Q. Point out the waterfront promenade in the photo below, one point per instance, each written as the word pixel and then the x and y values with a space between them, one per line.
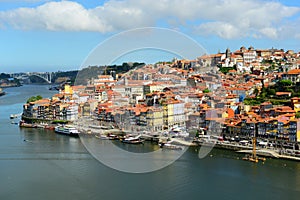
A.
pixel 91 127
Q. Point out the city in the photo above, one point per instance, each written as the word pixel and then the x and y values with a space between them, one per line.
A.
pixel 251 88
pixel 149 100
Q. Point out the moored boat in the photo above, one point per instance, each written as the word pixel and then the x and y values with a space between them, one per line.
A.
pixel 102 137
pixel 170 146
pixel 27 125
pixel 133 140
pixel 66 129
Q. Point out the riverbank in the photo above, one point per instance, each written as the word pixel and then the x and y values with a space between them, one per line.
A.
pixel 222 145
pixel 265 152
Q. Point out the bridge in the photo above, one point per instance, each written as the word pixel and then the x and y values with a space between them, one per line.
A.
pixel 46 76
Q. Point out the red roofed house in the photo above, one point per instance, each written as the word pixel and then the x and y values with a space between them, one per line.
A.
pixel 292 75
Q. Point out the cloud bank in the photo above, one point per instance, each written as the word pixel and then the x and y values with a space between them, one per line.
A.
pixel 229 19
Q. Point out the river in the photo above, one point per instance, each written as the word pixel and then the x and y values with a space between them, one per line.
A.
pixel 49 166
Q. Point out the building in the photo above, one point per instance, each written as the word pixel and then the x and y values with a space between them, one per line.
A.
pixel 292 75
pixel 294 130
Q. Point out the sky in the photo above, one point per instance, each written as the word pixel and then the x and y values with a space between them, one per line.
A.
pixel 46 35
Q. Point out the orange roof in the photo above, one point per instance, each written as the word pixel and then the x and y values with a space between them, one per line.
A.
pixel 283 93
pixel 230 113
pixel 294 71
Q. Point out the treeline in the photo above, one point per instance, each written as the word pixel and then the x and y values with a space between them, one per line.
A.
pixel 4 76
pixel 8 80
pixel 34 98
pixel 88 73
pixel 69 74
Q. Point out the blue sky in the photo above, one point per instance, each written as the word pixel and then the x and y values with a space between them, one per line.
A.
pixel 45 35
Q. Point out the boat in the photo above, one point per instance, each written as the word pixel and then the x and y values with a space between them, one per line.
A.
pixel 13 116
pixel 13 122
pixel 27 125
pixel 133 140
pixel 112 137
pixel 170 146
pixel 66 129
pixel 250 158
pixel 1 92
pixel 49 127
pixel 102 137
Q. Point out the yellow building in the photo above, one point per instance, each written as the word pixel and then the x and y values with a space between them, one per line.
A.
pixel 153 87
pixel 68 89
pixel 173 113
pixel 155 118
pixel 296 103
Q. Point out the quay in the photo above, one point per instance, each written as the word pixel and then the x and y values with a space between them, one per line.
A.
pixel 271 153
pixel 183 141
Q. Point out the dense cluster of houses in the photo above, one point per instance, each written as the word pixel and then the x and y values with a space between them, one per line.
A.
pixel 163 96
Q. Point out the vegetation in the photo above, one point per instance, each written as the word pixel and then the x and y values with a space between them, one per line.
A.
pixel 37 80
pixel 60 121
pixel 298 115
pixel 12 82
pixel 269 94
pixel 206 91
pixel 284 83
pixel 253 102
pixel 93 71
pixel 34 98
pixel 69 74
pixel 4 76
pixel 225 70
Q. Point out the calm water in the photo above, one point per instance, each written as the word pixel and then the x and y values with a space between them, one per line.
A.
pixel 51 166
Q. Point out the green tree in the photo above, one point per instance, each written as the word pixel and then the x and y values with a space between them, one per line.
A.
pixel 34 98
pixel 298 115
pixel 285 83
pixel 271 92
pixel 206 91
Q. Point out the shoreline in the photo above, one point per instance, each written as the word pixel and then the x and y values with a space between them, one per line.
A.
pixel 265 152
pixel 236 148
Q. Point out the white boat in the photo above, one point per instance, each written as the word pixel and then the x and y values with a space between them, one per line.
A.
pixel 170 146
pixel 66 129
pixel 102 137
pixel 133 140
pixel 13 116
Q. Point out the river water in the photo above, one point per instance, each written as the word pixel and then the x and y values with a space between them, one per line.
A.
pixel 51 166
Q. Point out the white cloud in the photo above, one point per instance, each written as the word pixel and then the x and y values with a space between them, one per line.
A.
pixel 23 1
pixel 54 16
pixel 224 18
pixel 223 30
pixel 269 32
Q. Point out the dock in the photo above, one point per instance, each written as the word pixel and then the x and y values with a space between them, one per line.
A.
pixel 182 142
pixel 262 152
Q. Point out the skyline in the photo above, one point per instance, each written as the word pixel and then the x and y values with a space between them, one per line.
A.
pixel 43 35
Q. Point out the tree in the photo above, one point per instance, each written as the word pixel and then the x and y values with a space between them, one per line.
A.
pixel 285 83
pixel 298 115
pixel 271 92
pixel 34 98
pixel 256 92
pixel 206 91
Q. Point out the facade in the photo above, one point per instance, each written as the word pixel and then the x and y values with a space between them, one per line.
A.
pixel 292 75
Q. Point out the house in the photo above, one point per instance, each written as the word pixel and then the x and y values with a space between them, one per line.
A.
pixel 295 101
pixel 294 130
pixel 292 75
